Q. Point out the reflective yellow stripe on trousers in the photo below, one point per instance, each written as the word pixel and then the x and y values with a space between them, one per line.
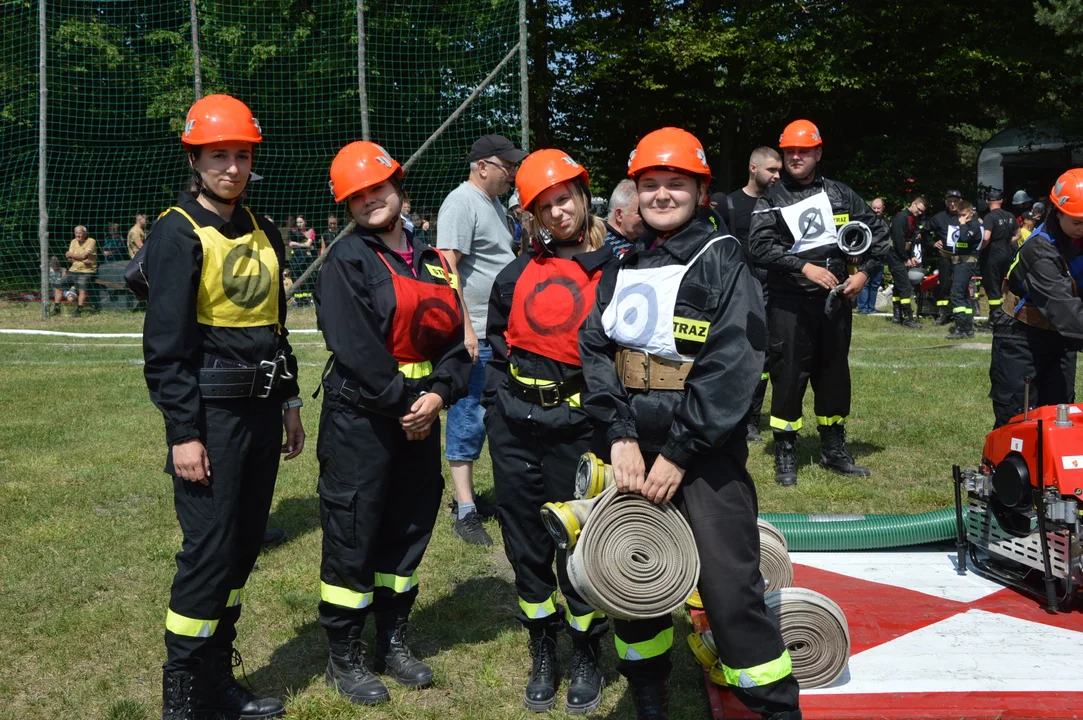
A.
pixel 582 622
pixel 537 611
pixel 785 425
pixel 189 627
pixel 759 675
pixel 646 649
pixel 396 583
pixel 344 597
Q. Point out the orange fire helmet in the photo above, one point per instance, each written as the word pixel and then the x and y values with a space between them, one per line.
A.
pixel 220 118
pixel 359 165
pixel 1067 194
pixel 669 147
pixel 541 170
pixel 800 134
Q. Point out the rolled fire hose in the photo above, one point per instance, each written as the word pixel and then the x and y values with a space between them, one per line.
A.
pixel 814 630
pixel 634 559
pixel 775 564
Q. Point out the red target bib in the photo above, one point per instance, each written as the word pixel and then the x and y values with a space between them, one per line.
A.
pixel 551 300
pixel 427 317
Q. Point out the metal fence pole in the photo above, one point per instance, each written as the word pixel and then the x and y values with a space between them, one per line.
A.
pixel 43 207
pixel 197 71
pixel 524 88
pixel 362 70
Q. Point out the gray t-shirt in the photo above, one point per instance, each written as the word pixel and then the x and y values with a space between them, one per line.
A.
pixel 475 225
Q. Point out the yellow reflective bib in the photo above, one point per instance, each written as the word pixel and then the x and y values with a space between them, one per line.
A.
pixel 238 286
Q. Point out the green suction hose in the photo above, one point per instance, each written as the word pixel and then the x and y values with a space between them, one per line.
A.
pixel 822 533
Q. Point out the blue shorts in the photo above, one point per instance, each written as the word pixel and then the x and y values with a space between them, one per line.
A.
pixel 465 432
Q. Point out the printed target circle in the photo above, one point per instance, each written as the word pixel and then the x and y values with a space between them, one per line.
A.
pixel 538 316
pixel 637 313
pixel 246 291
pixel 428 338
pixel 811 224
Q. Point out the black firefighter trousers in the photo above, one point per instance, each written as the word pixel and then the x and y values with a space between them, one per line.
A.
pixel 532 465
pixel 223 525
pixel 379 497
pixel 1021 352
pixel 996 259
pixel 807 344
pixel 718 498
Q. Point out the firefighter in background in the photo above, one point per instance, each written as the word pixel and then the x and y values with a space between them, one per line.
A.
pixel 1040 328
pixel 905 238
pixel 942 229
pixel 535 423
pixel 672 352
pixel 220 369
pixel 388 309
pixel 1001 235
pixel 794 235
pixel 964 244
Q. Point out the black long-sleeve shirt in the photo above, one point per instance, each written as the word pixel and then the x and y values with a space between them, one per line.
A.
pixel 174 342
pixel 904 231
pixel 772 242
pixel 529 364
pixel 1043 275
pixel 355 308
pixel 719 288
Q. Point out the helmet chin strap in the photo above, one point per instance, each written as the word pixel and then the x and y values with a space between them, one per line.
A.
pixel 211 195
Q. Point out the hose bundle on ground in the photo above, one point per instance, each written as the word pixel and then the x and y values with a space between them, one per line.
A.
pixel 775 565
pixel 634 559
pixel 815 632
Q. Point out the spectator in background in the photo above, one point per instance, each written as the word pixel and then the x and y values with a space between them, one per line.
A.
pixel 114 247
pixel 1037 210
pixel 302 239
pixel 1029 223
pixel 423 230
pixel 407 217
pixel 137 234
pixel 83 255
pixel 58 281
pixel 905 239
pixel 1001 232
pixel 332 232
pixel 624 226
pixel 764 170
pixel 474 234
pixel 1022 203
pixel 866 299
pixel 515 224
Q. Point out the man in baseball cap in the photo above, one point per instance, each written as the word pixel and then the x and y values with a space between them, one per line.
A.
pixel 496 146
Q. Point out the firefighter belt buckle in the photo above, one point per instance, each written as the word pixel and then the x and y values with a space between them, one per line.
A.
pixel 272 371
pixel 549 395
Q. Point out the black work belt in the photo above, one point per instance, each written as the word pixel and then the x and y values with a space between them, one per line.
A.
pixel 549 395
pixel 960 259
pixel 257 381
pixel 350 393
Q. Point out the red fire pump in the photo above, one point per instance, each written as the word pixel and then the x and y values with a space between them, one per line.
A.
pixel 1019 513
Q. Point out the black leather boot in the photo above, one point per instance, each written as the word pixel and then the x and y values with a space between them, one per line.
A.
pixel 177 690
pixel 786 458
pixel 833 455
pixel 896 312
pixel 651 700
pixel 220 695
pixel 346 671
pixel 908 320
pixel 752 429
pixel 392 657
pixel 943 317
pixel 788 715
pixel 586 681
pixel 541 690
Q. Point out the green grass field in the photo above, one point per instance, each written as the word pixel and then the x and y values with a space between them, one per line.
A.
pixel 88 534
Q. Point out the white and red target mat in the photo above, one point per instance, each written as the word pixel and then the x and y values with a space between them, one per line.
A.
pixel 929 643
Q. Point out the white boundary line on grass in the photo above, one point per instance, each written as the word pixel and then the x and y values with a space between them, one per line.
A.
pixel 58 333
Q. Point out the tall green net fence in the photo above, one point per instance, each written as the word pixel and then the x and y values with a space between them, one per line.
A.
pixel 122 73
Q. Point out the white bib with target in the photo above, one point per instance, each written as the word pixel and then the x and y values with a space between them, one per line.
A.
pixel 640 315
pixel 811 222
pixel 953 237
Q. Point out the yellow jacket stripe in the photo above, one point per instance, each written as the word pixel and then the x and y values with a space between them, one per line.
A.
pixel 416 371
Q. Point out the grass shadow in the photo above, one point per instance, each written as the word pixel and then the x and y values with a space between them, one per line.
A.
pixel 450 621
pixel 808 448
pixel 297 516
